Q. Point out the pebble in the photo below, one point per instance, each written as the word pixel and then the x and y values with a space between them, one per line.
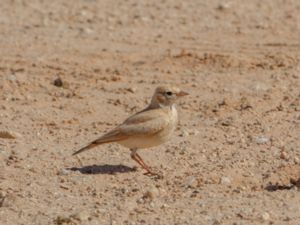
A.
pixel 151 193
pixel 194 132
pixel 88 30
pixel 227 122
pixel 58 82
pixel 12 77
pixel 261 140
pixel 265 216
pixel 62 220
pixel 7 135
pixel 223 6
pixel 175 52
pixel 184 133
pixel 63 172
pixel 131 89
pixel 82 216
pixel 297 183
pixel 140 201
pixel 2 194
pixel 225 180
pixel 190 182
pixel 2 198
pixel 283 155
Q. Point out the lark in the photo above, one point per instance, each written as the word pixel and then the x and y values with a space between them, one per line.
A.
pixel 150 127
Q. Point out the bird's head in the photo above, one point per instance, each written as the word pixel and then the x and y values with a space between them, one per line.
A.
pixel 166 96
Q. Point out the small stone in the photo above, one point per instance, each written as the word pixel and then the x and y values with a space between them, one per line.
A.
pixel 140 201
pixel 297 183
pixel 261 140
pixel 225 180
pixel 190 182
pixel 60 220
pixel 2 194
pixel 7 135
pixel 175 53
pixel 245 104
pixel 131 89
pixel 151 193
pixel 194 132
pixel 63 172
pixel 265 216
pixel 58 82
pixel 88 30
pixel 184 133
pixel 283 155
pixel 2 198
pixel 223 6
pixel 227 122
pixel 12 77
pixel 164 206
pixel 82 216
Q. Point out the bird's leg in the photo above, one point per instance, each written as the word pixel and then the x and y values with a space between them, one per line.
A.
pixel 140 161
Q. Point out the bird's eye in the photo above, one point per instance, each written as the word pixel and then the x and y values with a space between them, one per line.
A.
pixel 169 93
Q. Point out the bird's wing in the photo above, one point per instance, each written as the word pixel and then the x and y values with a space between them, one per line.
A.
pixel 143 123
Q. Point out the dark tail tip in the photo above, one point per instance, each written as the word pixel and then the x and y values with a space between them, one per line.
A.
pixel 77 152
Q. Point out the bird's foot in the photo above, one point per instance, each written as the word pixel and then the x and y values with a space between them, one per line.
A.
pixel 153 174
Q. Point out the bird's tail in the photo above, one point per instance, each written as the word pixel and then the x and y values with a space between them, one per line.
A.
pixel 89 146
pixel 111 136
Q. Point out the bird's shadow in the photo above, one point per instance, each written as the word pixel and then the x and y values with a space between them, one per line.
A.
pixel 278 187
pixel 103 169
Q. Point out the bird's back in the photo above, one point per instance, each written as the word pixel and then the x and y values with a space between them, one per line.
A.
pixel 155 127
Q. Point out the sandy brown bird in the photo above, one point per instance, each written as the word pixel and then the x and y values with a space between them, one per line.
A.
pixel 150 127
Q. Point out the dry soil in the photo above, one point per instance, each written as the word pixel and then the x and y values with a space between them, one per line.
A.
pixel 235 157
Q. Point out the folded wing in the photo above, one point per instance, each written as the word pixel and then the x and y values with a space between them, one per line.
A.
pixel 143 123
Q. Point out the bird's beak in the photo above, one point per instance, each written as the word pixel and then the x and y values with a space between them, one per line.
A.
pixel 182 93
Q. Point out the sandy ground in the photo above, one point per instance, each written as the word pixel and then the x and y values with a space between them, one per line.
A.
pixel 235 157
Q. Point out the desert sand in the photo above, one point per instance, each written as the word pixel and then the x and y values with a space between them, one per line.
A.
pixel 72 70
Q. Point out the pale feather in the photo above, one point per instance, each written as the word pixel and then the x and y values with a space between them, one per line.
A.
pixel 145 123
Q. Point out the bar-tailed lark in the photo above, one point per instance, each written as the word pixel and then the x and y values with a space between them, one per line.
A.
pixel 147 128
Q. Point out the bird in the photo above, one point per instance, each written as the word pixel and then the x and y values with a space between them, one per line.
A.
pixel 147 128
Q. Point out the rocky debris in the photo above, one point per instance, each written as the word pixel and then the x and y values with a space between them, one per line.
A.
pixel 223 6
pixel 131 89
pixel 261 140
pixel 190 182
pixel 82 216
pixel 297 160
pixel 244 104
pixel 2 198
pixel 295 182
pixel 12 77
pixel 284 155
pixel 6 135
pixel 225 180
pixel 189 132
pixel 60 220
pixel 63 172
pixel 227 121
pixel 58 82
pixel 265 216
pixel 151 193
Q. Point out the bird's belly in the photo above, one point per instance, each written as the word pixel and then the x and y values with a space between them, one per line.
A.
pixel 143 142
